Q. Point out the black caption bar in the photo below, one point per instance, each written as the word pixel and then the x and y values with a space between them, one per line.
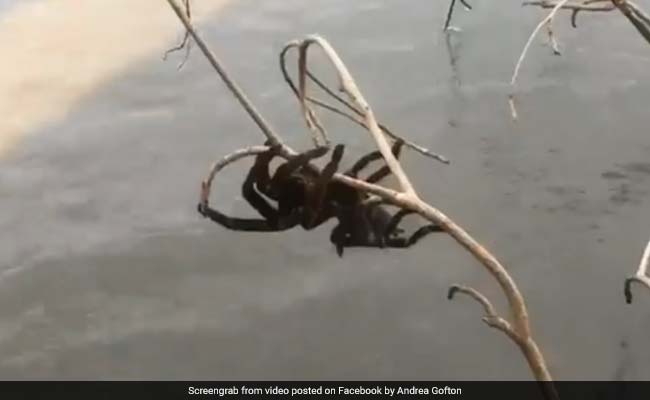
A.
pixel 313 390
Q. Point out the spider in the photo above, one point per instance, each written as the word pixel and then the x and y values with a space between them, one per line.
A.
pixel 309 198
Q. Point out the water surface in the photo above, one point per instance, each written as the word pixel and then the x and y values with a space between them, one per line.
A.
pixel 106 270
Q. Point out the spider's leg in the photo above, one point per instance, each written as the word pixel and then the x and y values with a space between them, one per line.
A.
pixel 403 242
pixel 363 163
pixel 240 224
pixel 269 224
pixel 423 231
pixel 395 220
pixel 285 170
pixel 338 239
pixel 398 241
pixel 373 156
pixel 344 240
pixel 261 172
pixel 315 196
pixel 256 200
pixel 384 171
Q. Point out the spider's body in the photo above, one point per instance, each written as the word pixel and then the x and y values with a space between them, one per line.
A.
pixel 308 198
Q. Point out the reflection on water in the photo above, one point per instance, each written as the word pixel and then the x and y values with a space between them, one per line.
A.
pixel 108 271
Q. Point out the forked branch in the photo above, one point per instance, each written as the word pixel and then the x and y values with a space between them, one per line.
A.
pixel 353 114
pixel 637 17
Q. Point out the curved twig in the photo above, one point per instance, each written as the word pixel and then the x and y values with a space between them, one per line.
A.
pixel 641 275
pixel 358 115
pixel 234 88
pixel 237 155
pixel 491 318
pixel 547 20
pixel 349 86
pixel 185 42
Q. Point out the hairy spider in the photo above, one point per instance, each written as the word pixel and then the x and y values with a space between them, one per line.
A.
pixel 308 198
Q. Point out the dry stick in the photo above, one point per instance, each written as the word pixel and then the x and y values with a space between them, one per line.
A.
pixel 274 139
pixel 356 119
pixel 539 26
pixel 574 7
pixel 406 199
pixel 349 86
pixel 641 275
pixel 313 122
pixel 515 74
pixel 642 15
pixel 229 159
pixel 580 6
pixel 185 43
pixel 230 83
pixel 493 320
pixel 636 16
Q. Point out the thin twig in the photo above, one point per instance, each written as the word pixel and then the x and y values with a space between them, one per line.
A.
pixel 493 320
pixel 539 26
pixel 636 16
pixel 185 43
pixel 575 7
pixel 349 86
pixel 206 184
pixel 357 118
pixel 546 21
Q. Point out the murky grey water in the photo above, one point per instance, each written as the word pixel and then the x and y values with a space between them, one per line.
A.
pixel 106 271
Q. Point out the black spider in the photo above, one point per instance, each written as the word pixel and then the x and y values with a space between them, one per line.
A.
pixel 308 198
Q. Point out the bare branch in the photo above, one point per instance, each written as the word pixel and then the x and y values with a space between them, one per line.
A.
pixel 641 275
pixel 222 163
pixel 574 6
pixel 185 43
pixel 358 114
pixel 636 16
pixel 539 26
pixel 476 295
pixel 491 318
pixel 349 86
pixel 264 126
